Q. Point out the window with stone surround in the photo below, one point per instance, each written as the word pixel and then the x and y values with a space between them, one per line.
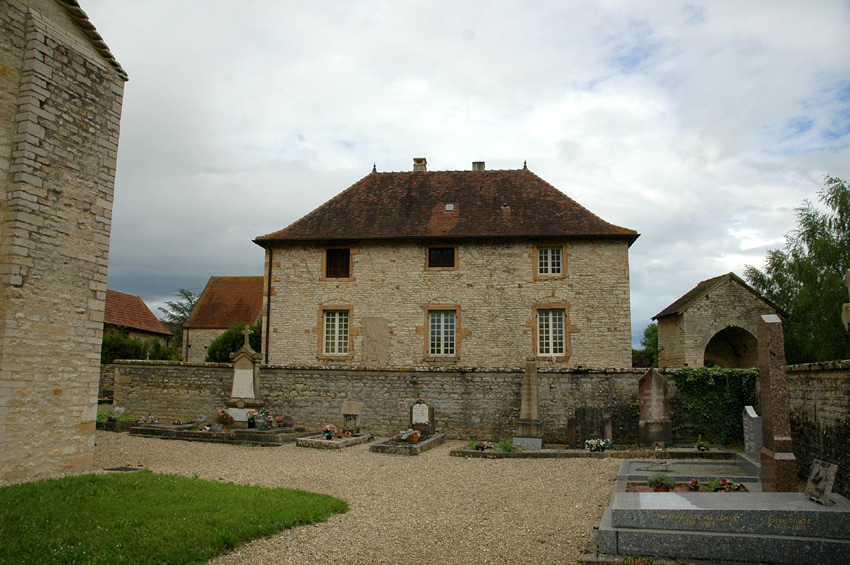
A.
pixel 549 261
pixel 551 332
pixel 336 332
pixel 442 333
pixel 337 263
pixel 442 257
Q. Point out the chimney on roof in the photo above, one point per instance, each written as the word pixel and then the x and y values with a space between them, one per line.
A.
pixel 419 164
pixel 478 165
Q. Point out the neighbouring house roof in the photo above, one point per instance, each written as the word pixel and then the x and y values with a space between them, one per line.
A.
pixel 82 20
pixel 486 204
pixel 131 312
pixel 705 287
pixel 226 301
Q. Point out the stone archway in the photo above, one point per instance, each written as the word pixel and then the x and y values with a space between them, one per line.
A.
pixel 732 348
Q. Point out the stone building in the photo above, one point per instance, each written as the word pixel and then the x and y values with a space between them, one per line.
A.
pixel 225 301
pixel 716 321
pixel 60 107
pixel 130 317
pixel 448 269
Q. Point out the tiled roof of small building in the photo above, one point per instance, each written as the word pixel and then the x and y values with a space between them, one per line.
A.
pixel 226 301
pixel 449 204
pixel 130 311
pixel 704 288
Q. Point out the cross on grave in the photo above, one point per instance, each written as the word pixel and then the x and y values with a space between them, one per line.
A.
pixel 246 332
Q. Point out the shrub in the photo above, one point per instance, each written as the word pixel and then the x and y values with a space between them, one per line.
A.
pixel 660 480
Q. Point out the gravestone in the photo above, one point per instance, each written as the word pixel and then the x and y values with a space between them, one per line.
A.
pixel 244 393
pixel 529 434
pixel 655 424
pixel 592 422
pixel 351 416
pixel 821 479
pixel 422 417
pixel 751 458
pixel 778 464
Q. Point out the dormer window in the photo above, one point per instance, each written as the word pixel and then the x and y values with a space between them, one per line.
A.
pixel 449 206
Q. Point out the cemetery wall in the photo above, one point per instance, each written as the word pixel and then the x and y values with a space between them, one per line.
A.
pixel 60 109
pixel 468 403
pixel 819 395
pixel 493 289
pixel 107 381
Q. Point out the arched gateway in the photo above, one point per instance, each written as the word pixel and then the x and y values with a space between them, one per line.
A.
pixel 714 323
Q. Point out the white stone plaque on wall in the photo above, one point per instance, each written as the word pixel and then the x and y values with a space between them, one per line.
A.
pixel 243 383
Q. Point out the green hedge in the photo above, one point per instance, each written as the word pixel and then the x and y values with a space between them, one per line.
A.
pixel 715 399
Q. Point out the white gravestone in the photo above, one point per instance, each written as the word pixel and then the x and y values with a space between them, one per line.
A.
pixel 243 383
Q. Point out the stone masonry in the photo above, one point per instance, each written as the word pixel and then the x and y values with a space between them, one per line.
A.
pixel 493 290
pixel 727 306
pixel 60 107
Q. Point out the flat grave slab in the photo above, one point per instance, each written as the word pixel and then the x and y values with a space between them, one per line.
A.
pixel 395 447
pixel 276 436
pixel 319 441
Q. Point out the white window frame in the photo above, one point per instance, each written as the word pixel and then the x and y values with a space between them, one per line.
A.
pixel 336 331
pixel 550 261
pixel 551 332
pixel 442 333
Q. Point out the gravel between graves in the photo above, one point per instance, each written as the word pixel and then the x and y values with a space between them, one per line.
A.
pixel 431 508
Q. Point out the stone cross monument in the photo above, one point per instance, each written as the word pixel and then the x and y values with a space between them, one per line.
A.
pixel 778 464
pixel 845 314
pixel 246 381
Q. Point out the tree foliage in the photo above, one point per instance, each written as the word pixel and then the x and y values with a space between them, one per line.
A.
pixel 231 340
pixel 806 279
pixel 177 313
pixel 115 346
pixel 647 356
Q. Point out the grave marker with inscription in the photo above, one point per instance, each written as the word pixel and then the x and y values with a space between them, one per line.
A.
pixel 422 417
pixel 655 425
pixel 751 458
pixel 244 393
pixel 351 411
pixel 821 479
pixel 529 434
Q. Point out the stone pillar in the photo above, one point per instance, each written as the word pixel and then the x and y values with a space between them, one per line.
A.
pixel 778 464
pixel 530 430
pixel 655 424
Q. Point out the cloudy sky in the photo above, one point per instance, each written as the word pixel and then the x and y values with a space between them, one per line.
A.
pixel 702 125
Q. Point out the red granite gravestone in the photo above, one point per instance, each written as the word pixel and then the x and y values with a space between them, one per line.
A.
pixel 655 424
pixel 778 464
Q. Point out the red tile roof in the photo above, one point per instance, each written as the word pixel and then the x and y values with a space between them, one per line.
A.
pixel 704 288
pixel 130 311
pixel 487 204
pixel 226 301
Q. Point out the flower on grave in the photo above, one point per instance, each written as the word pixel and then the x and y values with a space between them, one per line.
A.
pixel 693 485
pixel 224 417
pixel 483 446
pixel 599 444
pixel 329 429
pixel 280 421
pixel 347 433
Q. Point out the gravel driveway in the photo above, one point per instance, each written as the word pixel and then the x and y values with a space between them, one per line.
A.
pixel 427 509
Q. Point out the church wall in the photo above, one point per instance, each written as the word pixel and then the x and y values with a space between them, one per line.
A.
pixel 60 108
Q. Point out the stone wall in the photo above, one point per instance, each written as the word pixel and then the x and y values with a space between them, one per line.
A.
pixel 468 403
pixel 60 108
pixel 197 341
pixel 107 381
pixel 819 395
pixel 493 289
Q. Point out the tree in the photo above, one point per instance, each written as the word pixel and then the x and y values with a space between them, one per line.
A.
pixel 648 355
pixel 177 313
pixel 115 346
pixel 806 278
pixel 231 340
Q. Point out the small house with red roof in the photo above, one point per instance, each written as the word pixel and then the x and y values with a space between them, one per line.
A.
pixel 716 322
pixel 129 316
pixel 225 301
pixel 477 268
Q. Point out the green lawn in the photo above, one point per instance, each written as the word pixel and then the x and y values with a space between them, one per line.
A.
pixel 141 517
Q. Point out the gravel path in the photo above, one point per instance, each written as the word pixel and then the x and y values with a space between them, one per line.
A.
pixel 427 509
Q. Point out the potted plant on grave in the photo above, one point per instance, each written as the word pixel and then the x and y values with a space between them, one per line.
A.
pixel 252 419
pixel 659 482
pixel 224 418
pixel 701 445
pixel 414 436
pixel 597 444
pixel 329 430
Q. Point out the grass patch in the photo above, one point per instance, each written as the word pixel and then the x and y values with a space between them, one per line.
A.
pixel 142 517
